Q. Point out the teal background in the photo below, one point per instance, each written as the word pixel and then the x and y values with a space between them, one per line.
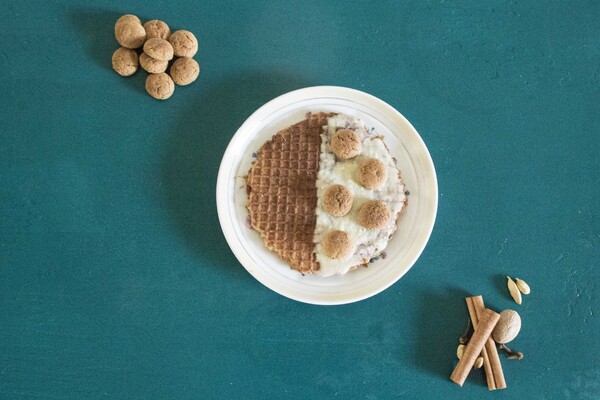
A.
pixel 115 279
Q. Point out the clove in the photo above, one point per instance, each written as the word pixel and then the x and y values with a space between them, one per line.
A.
pixel 511 355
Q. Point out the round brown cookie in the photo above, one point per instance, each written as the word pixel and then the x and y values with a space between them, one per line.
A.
pixel 184 43
pixel 159 49
pixel 157 29
pixel 128 17
pixel 160 86
pixel 345 144
pixel 337 200
pixel 374 214
pixel 151 65
pixel 184 71
pixel 130 33
pixel 125 61
pixel 371 173
pixel 337 245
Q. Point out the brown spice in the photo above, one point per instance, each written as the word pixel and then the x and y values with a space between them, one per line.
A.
pixel 489 374
pixel 487 322
pixel 490 346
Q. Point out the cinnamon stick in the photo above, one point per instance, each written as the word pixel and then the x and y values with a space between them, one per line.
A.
pixel 490 347
pixel 489 373
pixel 487 322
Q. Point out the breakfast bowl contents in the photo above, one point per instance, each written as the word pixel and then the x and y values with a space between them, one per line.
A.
pixel 270 224
pixel 325 194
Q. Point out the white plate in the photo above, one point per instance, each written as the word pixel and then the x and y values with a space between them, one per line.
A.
pixel 414 225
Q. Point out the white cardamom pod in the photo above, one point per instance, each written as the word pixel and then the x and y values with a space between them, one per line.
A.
pixel 478 363
pixel 514 291
pixel 523 286
pixel 460 350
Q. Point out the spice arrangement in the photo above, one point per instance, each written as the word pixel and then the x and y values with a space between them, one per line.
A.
pixel 516 287
pixel 159 48
pixel 490 330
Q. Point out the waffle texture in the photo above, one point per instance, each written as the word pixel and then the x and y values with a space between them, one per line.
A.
pixel 282 192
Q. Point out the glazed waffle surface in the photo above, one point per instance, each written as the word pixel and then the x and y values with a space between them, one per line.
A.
pixel 282 192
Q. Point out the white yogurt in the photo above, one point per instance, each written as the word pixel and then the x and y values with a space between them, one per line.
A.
pixel 369 243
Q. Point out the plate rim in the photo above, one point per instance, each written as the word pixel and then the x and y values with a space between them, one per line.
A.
pixel 222 192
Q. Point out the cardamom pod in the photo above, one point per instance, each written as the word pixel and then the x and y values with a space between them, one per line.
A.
pixel 478 363
pixel 523 286
pixel 514 291
pixel 460 350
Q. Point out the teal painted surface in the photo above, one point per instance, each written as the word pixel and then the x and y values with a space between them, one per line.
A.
pixel 115 281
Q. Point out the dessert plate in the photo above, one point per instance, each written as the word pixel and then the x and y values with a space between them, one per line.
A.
pixel 414 225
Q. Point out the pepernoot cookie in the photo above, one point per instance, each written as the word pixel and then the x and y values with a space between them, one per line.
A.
pixel 374 214
pixel 337 245
pixel 125 61
pixel 371 173
pixel 159 49
pixel 184 71
pixel 184 43
pixel 345 144
pixel 129 32
pixel 128 17
pixel 160 86
pixel 151 65
pixel 337 200
pixel 157 29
